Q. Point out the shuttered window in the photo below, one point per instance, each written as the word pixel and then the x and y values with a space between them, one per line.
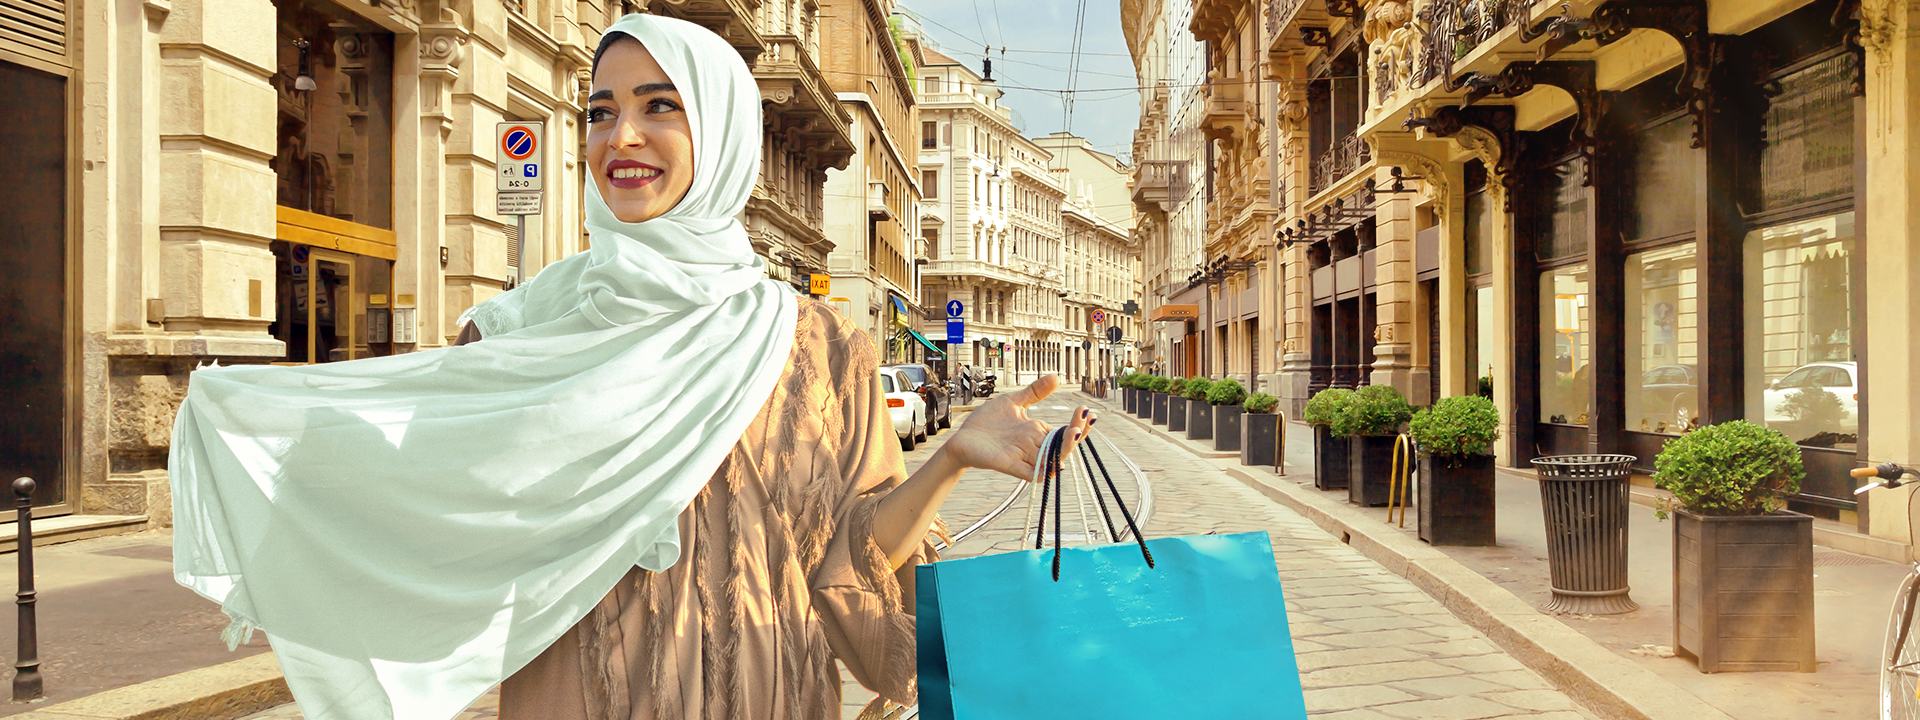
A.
pixel 35 28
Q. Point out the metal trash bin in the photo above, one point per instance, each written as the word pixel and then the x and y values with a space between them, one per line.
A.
pixel 1585 501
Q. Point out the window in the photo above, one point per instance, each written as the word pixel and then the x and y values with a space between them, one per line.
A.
pixel 1798 299
pixel 1565 234
pixel 1808 156
pixel 1566 334
pixel 929 133
pixel 933 84
pixel 930 184
pixel 1478 229
pixel 1663 176
pixel 1662 339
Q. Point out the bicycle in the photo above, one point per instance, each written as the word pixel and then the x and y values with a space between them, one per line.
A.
pixel 1900 663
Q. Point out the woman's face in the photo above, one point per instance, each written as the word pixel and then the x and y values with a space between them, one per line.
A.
pixel 639 141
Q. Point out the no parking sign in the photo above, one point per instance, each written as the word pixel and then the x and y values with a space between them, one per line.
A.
pixel 520 156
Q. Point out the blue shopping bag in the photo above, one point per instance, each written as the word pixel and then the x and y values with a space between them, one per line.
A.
pixel 1180 627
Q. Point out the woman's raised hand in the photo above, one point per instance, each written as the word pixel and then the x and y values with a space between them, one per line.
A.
pixel 1000 436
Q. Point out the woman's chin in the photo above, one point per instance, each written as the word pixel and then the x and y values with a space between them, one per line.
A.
pixel 634 211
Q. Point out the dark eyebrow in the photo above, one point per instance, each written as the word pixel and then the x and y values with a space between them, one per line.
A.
pixel 641 89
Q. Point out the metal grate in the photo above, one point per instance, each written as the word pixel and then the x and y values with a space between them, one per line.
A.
pixel 1836 558
pixel 34 27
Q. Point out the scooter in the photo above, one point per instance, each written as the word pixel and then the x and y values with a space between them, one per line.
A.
pixel 986 387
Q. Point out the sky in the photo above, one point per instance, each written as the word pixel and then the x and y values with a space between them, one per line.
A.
pixel 1038 37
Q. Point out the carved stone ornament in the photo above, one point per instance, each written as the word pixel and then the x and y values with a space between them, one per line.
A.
pixel 1393 45
pixel 443 44
pixel 1432 174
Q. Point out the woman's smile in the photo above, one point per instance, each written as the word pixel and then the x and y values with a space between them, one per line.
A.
pixel 631 174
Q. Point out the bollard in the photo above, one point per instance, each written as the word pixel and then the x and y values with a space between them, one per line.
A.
pixel 1400 481
pixel 26 668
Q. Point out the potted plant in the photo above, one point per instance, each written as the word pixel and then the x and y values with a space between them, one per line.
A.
pixel 1369 422
pixel 1161 400
pixel 1741 561
pixel 1260 431
pixel 1455 439
pixel 1329 450
pixel 1199 413
pixel 1177 405
pixel 1126 383
pixel 1225 396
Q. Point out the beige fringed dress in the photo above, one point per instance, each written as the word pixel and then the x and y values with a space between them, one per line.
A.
pixel 779 574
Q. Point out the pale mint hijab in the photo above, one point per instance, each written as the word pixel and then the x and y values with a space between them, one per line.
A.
pixel 410 530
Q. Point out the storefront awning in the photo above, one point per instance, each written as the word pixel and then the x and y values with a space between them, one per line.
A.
pixel 1175 311
pixel 932 349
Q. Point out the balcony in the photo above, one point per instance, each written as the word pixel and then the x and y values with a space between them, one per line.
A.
pixel 799 99
pixel 1452 30
pixel 979 269
pixel 1159 184
pixel 1281 12
pixel 1347 154
pixel 1226 108
pixel 877 202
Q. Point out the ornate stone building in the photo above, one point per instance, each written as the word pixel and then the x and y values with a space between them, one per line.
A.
pixel 991 221
pixel 1239 271
pixel 1100 258
pixel 873 206
pixel 1170 180
pixel 1618 218
pixel 302 181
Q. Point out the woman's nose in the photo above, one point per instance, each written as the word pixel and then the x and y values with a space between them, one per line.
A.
pixel 627 133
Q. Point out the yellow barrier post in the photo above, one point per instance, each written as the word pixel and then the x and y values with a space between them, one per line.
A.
pixel 1280 444
pixel 1400 480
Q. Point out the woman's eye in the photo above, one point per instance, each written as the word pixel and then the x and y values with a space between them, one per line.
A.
pixel 661 105
pixel 597 114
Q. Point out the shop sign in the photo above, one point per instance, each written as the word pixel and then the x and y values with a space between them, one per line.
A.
pixel 819 284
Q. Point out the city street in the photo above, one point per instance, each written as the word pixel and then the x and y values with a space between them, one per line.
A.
pixel 1371 646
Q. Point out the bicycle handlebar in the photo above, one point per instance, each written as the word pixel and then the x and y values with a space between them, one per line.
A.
pixel 1889 474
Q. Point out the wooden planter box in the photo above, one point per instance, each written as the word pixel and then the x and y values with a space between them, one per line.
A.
pixel 1158 412
pixel 1329 459
pixel 1456 500
pixel 1199 420
pixel 1370 465
pixel 1128 400
pixel 1743 591
pixel 1260 439
pixel 1176 413
pixel 1226 427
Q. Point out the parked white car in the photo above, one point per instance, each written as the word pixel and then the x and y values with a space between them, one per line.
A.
pixel 906 407
pixel 1832 404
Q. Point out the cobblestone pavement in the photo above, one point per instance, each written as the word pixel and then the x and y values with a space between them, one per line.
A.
pixel 1371 646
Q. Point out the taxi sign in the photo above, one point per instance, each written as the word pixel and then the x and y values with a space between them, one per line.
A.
pixel 818 284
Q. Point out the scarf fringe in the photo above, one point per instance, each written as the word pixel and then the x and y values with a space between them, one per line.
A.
pixel 239 631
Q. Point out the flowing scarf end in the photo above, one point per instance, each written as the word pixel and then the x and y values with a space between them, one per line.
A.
pixel 239 631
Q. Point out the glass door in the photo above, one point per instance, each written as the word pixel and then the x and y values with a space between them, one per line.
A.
pixel 318 303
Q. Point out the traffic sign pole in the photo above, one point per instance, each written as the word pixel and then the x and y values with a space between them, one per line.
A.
pixel 520 251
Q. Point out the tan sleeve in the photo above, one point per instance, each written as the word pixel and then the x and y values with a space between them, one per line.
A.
pixel 866 606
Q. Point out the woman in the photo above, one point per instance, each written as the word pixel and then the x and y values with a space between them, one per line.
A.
pixel 660 487
pixel 785 568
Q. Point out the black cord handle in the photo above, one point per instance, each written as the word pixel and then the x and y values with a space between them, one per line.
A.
pixel 1051 488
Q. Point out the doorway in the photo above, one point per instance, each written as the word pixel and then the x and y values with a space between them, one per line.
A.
pixel 34 342
pixel 318 313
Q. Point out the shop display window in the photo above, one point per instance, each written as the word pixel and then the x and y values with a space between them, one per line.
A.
pixel 1566 339
pixel 1802 377
pixel 1662 340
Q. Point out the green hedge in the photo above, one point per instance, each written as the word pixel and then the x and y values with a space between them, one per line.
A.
pixel 1456 427
pixel 1374 410
pixel 1226 392
pixel 1326 405
pixel 1196 388
pixel 1260 403
pixel 1729 468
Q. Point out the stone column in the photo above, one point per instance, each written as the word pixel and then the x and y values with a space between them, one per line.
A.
pixel 216 208
pixel 426 66
pixel 1454 374
pixel 1890 239
pixel 1394 306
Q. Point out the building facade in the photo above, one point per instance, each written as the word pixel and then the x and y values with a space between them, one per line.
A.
pixel 1100 259
pixel 306 181
pixel 1170 180
pixel 873 206
pixel 1620 220
pixel 986 188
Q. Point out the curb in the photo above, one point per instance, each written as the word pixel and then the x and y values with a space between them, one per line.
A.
pixel 1597 678
pixel 226 691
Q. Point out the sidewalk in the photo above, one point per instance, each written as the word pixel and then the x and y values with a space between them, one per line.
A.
pixel 110 615
pixel 1852 593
